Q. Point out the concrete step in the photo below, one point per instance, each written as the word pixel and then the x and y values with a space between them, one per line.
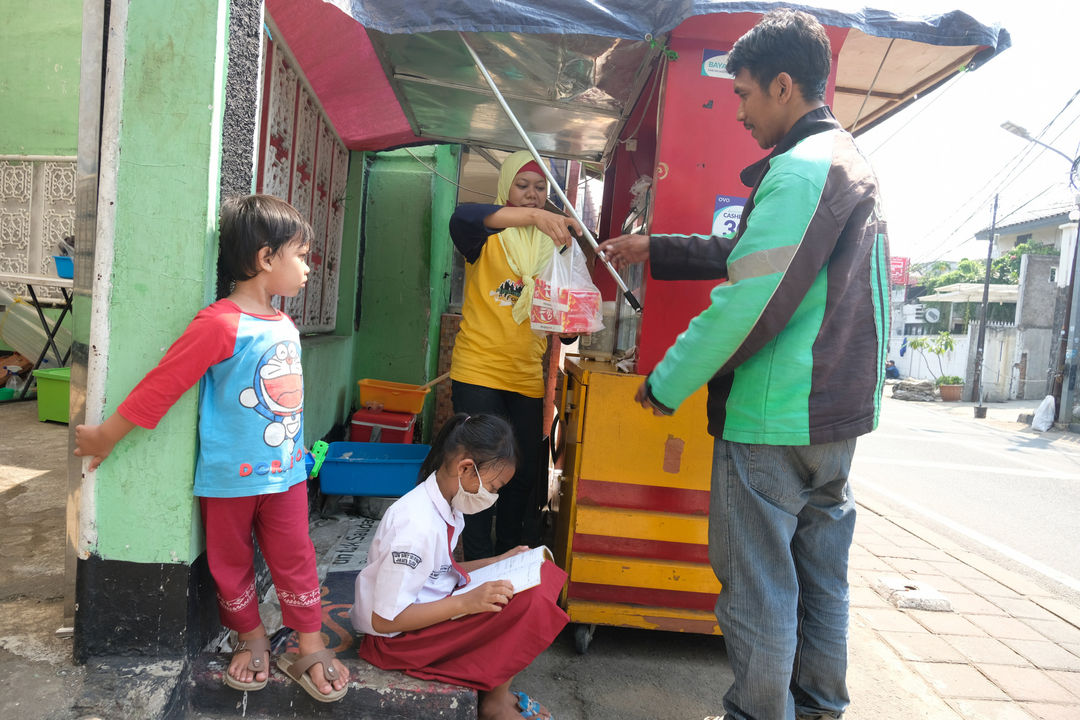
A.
pixel 373 694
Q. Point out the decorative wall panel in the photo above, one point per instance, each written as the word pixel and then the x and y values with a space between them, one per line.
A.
pixel 37 211
pixel 304 161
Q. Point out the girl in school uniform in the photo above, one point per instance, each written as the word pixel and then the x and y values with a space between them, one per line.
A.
pixel 404 603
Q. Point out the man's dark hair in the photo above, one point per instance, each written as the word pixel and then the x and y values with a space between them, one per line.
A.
pixel 251 222
pixel 788 41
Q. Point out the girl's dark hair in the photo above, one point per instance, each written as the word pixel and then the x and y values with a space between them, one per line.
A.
pixel 484 438
pixel 788 41
pixel 251 222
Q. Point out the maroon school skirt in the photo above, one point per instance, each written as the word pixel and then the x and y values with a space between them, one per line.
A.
pixel 480 651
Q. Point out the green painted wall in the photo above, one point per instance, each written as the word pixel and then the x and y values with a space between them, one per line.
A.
pixel 406 265
pixel 165 251
pixel 40 44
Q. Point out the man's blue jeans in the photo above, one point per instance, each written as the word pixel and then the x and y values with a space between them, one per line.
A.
pixel 781 520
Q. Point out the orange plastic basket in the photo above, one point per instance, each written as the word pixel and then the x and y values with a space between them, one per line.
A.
pixel 393 396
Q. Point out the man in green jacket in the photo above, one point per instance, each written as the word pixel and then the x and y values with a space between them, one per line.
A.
pixel 792 347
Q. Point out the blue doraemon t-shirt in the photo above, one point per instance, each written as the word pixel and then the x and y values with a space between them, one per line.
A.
pixel 251 401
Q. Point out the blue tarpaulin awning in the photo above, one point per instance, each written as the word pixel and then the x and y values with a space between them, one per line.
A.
pixel 390 73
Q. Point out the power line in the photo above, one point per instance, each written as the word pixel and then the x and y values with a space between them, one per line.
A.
pixel 953 82
pixel 1011 174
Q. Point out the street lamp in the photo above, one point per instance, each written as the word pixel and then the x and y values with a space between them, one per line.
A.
pixel 1068 382
pixel 1074 172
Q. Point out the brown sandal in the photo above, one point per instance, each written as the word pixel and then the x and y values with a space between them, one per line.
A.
pixel 296 667
pixel 259 647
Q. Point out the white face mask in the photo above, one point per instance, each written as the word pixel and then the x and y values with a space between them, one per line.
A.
pixel 470 503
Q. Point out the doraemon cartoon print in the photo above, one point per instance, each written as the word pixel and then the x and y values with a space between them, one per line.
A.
pixel 277 392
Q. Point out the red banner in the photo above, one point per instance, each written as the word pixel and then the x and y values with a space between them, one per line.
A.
pixel 898 270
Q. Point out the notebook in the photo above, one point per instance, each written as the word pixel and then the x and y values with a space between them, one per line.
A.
pixel 522 570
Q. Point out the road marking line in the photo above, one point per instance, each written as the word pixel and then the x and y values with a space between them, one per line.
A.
pixel 1032 456
pixel 993 469
pixel 1030 562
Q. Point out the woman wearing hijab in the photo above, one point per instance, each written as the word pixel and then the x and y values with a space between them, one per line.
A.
pixel 497 362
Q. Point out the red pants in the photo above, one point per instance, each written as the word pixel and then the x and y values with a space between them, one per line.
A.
pixel 280 524
pixel 480 651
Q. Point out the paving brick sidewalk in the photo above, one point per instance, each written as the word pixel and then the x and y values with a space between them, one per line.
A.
pixel 1008 649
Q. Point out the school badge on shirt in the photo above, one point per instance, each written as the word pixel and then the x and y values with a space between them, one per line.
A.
pixel 406 558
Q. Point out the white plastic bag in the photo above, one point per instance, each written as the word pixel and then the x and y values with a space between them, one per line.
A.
pixel 565 301
pixel 1044 415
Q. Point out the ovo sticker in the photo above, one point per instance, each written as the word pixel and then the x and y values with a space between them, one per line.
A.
pixel 727 214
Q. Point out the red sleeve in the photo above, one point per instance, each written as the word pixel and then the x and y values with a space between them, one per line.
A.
pixel 208 339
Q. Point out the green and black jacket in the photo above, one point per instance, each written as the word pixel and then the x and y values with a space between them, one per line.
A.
pixel 793 344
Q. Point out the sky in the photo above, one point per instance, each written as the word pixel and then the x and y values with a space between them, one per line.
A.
pixel 941 160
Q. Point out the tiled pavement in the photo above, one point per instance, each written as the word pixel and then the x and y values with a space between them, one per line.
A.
pixel 1008 649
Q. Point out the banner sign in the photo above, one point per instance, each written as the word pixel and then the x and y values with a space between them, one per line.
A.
pixel 898 270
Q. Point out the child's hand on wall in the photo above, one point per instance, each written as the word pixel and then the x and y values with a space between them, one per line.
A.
pixel 97 441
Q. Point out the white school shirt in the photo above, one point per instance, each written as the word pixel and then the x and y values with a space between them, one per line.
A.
pixel 409 560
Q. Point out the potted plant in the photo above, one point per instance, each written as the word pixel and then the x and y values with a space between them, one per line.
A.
pixel 950 387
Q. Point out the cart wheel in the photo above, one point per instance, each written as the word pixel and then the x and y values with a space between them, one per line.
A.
pixel 582 637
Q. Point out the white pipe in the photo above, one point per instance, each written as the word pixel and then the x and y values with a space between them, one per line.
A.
pixel 629 296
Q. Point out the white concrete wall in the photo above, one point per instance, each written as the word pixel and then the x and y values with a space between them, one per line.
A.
pixel 999 353
pixel 924 365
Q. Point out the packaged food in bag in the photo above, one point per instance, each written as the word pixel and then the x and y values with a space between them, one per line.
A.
pixel 565 300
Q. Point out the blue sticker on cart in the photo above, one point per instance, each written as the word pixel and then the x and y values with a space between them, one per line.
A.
pixel 714 64
pixel 727 214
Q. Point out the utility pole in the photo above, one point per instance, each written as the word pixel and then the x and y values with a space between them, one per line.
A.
pixel 1068 380
pixel 1069 340
pixel 976 390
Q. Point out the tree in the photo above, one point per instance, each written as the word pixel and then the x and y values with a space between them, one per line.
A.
pixel 936 345
pixel 1003 271
pixel 1006 269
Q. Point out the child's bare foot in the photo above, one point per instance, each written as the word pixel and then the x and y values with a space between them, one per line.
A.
pixel 250 664
pixel 311 643
pixel 501 704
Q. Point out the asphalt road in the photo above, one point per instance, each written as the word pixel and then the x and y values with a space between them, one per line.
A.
pixel 992 485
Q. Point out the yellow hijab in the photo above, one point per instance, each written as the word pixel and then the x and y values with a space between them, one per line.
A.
pixel 527 249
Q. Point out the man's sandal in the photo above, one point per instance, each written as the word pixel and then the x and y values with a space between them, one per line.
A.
pixel 296 666
pixel 528 707
pixel 259 648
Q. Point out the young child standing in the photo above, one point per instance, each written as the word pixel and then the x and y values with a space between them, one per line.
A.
pixel 411 622
pixel 250 473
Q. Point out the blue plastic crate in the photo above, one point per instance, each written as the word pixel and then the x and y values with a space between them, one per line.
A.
pixel 65 266
pixel 372 469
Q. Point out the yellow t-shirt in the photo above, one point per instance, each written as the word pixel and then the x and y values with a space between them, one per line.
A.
pixel 491 349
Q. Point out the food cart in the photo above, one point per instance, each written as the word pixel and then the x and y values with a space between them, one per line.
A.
pixel 640 96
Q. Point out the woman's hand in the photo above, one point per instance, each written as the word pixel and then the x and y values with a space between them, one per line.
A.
pixel 556 226
pixel 625 249
pixel 490 597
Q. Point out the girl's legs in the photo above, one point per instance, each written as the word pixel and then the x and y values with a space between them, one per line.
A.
pixel 281 526
pixel 230 554
pixel 501 704
pixel 482 651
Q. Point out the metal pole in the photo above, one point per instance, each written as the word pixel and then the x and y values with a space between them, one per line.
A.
pixel 977 384
pixel 1068 382
pixel 633 301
